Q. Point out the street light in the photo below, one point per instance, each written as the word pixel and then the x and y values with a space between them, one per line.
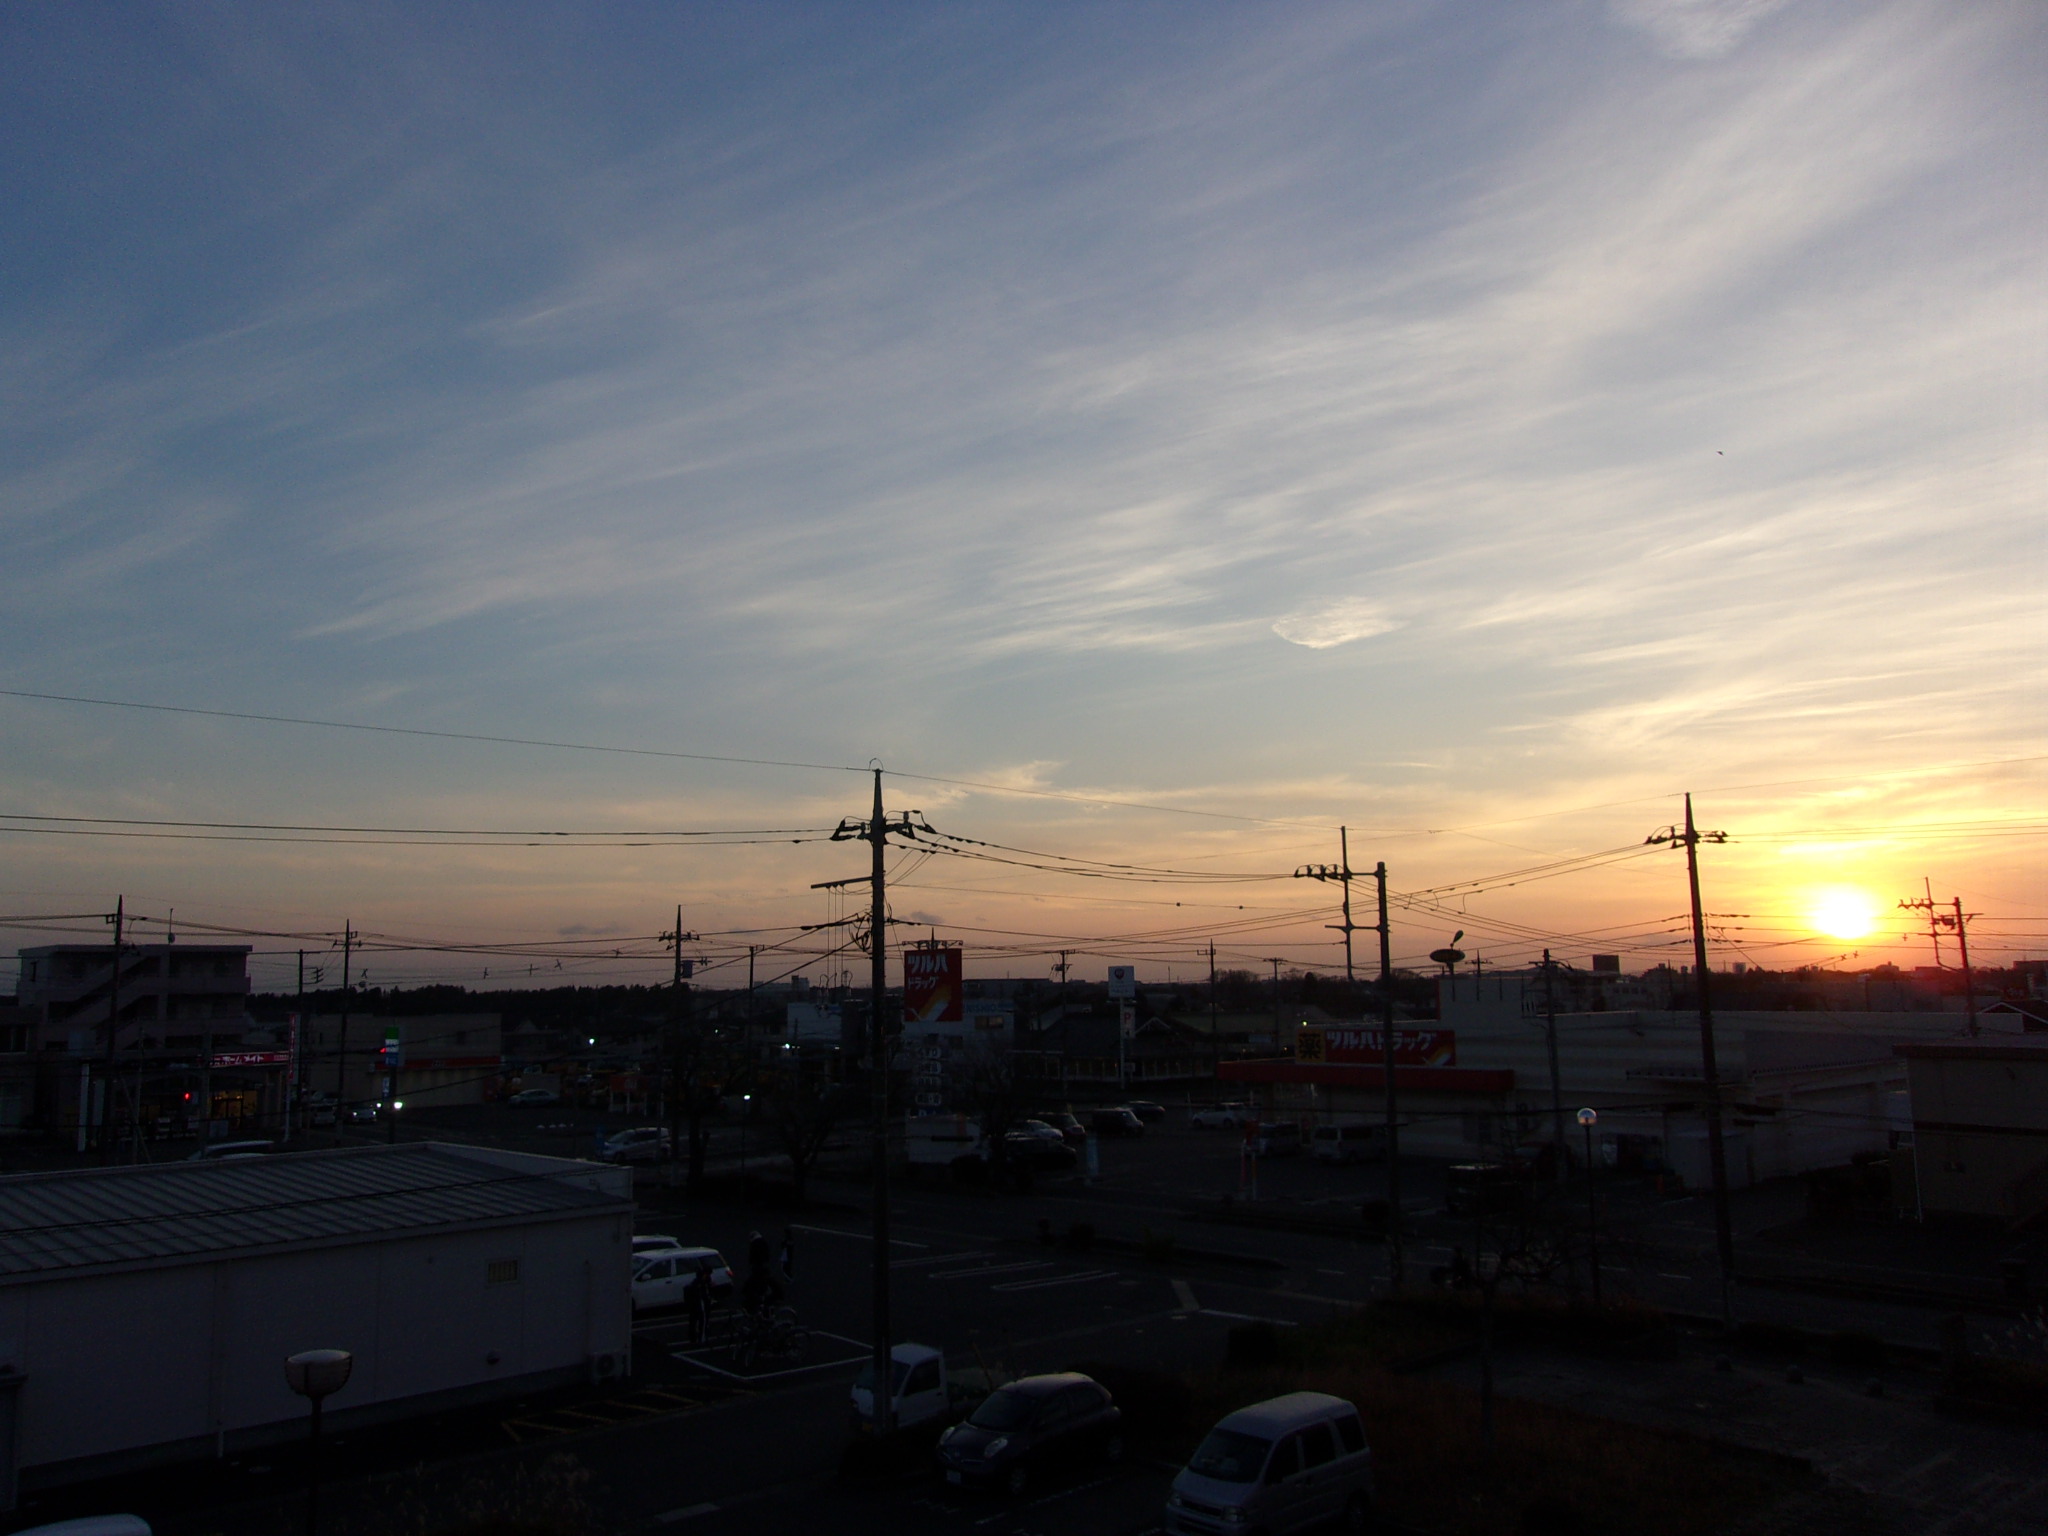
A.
pixel 316 1374
pixel 1588 1118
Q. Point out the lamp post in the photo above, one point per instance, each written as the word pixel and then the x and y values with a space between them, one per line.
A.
pixel 316 1374
pixel 1588 1118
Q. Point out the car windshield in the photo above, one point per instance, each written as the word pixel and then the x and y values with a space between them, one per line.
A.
pixel 1230 1457
pixel 1007 1409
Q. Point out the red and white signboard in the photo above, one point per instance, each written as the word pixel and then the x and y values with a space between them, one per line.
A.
pixel 1351 1044
pixel 251 1058
pixel 934 986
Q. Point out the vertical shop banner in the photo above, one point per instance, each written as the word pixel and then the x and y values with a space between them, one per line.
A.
pixel 934 986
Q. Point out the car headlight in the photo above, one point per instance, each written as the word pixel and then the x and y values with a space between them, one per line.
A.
pixel 1234 1516
pixel 996 1446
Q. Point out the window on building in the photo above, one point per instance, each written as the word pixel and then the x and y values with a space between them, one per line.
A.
pixel 502 1272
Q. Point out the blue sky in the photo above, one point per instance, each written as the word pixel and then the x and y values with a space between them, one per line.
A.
pixel 1411 415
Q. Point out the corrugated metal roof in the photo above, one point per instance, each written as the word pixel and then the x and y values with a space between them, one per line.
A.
pixel 52 1222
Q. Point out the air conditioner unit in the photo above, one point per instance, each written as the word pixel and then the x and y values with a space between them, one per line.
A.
pixel 612 1366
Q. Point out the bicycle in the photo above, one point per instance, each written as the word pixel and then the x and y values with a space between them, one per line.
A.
pixel 770 1336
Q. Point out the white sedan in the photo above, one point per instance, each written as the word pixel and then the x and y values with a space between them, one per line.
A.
pixel 1217 1117
pixel 662 1277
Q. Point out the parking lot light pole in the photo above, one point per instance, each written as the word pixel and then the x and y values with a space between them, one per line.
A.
pixel 316 1375
pixel 1588 1118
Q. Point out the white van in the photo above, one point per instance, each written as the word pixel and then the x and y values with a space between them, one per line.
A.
pixel 1286 1464
pixel 1350 1142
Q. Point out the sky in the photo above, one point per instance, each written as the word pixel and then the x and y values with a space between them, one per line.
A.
pixel 1156 434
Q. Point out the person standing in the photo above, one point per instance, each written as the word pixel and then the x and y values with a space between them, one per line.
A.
pixel 700 1302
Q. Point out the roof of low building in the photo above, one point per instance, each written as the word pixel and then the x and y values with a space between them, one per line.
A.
pixel 165 1213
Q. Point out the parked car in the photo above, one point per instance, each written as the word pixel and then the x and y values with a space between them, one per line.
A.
pixel 1115 1121
pixel 1277 1138
pixel 1147 1111
pixel 1041 1130
pixel 1219 1117
pixel 535 1096
pixel 642 1144
pixel 1075 1132
pixel 232 1151
pixel 1027 1150
pixel 924 1392
pixel 1348 1142
pixel 1287 1464
pixel 1031 1428
pixel 662 1277
pixel 648 1242
pixel 319 1109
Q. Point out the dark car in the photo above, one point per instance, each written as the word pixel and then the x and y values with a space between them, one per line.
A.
pixel 1147 1111
pixel 1027 1150
pixel 1117 1121
pixel 1031 1429
pixel 1075 1132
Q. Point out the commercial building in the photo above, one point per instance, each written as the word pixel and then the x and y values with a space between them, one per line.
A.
pixel 1801 1089
pixel 160 1045
pixel 146 1312
pixel 1980 1127
pixel 444 1058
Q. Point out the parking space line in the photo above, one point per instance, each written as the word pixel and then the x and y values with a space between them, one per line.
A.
pixel 689 1358
pixel 1052 1280
pixel 864 1237
pixel 1185 1295
pixel 989 1269
pixel 937 1258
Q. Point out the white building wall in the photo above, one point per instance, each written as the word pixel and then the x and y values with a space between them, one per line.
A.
pixel 188 1353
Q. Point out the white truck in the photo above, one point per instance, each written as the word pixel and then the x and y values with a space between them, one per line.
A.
pixel 925 1394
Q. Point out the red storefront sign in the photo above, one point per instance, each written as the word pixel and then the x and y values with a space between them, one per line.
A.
pixel 1361 1046
pixel 934 986
pixel 251 1059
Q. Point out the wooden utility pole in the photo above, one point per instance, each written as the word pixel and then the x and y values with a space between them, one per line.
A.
pixel 1396 1264
pixel 107 1099
pixel 1959 920
pixel 883 1396
pixel 1556 1081
pixel 1342 873
pixel 1969 981
pixel 348 941
pixel 1710 1072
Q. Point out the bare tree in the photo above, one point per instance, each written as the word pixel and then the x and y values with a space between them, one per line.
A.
pixel 992 1087
pixel 805 1106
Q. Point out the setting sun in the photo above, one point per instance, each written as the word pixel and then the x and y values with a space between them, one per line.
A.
pixel 1844 914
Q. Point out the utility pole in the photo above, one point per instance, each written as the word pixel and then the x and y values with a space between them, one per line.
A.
pixel 298 1048
pixel 875 832
pixel 1556 1082
pixel 107 1139
pixel 883 1398
pixel 679 1000
pixel 1959 921
pixel 1969 982
pixel 1396 1263
pixel 348 940
pixel 1215 1039
pixel 1341 872
pixel 1710 1074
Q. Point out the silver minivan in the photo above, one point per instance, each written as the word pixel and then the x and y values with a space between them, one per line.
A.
pixel 1348 1142
pixel 1286 1464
